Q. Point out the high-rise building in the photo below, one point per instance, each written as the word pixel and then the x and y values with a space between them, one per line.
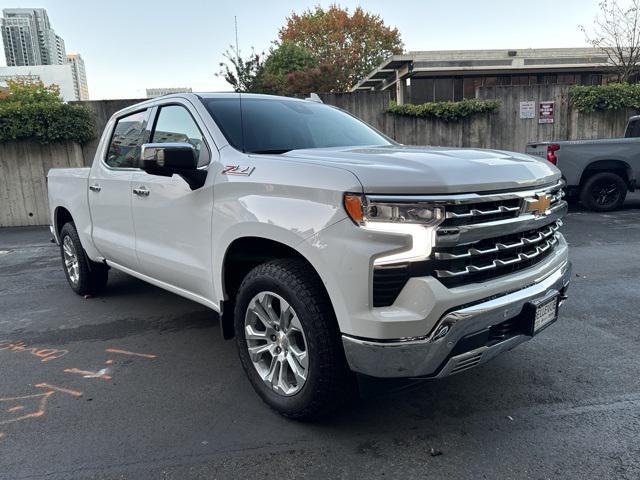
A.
pixel 20 39
pixel 61 52
pixel 29 39
pixel 79 76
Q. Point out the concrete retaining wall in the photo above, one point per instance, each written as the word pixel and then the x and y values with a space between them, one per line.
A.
pixel 23 179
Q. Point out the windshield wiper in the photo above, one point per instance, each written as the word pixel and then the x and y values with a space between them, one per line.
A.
pixel 274 151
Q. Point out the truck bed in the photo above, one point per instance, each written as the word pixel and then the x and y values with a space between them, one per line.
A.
pixel 575 156
pixel 68 190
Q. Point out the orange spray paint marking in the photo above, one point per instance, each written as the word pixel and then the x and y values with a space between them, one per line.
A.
pixel 88 374
pixel 45 354
pixel 17 408
pixel 125 352
pixel 109 362
pixel 75 393
pixel 39 406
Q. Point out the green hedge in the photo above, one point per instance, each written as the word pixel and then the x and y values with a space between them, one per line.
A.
pixel 614 96
pixel 446 111
pixel 46 122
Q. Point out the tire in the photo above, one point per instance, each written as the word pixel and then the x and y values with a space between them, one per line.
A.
pixel 327 382
pixel 85 277
pixel 603 192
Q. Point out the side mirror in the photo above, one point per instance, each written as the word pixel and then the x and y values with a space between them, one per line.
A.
pixel 167 159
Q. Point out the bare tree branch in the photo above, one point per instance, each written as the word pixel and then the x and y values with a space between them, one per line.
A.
pixel 616 32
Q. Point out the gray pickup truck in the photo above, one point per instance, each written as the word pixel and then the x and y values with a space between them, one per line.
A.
pixel 598 172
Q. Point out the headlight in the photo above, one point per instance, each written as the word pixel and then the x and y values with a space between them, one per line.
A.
pixel 364 212
pixel 416 220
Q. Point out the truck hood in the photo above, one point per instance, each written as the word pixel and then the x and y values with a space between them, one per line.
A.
pixel 401 169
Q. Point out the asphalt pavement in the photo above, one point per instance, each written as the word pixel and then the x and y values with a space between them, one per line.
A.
pixel 137 383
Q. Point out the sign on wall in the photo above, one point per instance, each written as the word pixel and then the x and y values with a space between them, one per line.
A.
pixel 547 110
pixel 528 109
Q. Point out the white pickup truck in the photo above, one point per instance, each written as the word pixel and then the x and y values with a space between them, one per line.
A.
pixel 326 248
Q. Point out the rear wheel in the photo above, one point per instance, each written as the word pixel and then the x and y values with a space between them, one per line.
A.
pixel 85 277
pixel 288 340
pixel 603 192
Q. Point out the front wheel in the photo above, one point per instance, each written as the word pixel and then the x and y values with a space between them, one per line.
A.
pixel 85 277
pixel 603 192
pixel 288 340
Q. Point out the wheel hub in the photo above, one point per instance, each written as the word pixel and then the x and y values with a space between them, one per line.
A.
pixel 605 194
pixel 276 343
pixel 70 258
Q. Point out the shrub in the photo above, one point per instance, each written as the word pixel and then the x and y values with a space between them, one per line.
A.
pixel 614 96
pixel 30 110
pixel 446 111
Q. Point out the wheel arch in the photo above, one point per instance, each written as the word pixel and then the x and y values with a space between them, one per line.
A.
pixel 240 257
pixel 61 216
pixel 617 166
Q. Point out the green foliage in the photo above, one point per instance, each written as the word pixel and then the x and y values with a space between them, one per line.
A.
pixel 614 96
pixel 282 61
pixel 31 110
pixel 288 57
pixel 446 111
pixel 243 74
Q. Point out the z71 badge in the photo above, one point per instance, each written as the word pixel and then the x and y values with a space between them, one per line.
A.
pixel 237 170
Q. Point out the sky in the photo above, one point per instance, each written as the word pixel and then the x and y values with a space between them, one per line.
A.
pixel 131 45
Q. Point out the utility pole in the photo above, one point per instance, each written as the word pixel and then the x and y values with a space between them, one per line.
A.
pixel 235 21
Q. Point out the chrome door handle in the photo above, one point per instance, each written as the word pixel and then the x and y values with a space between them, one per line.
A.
pixel 141 191
pixel 95 188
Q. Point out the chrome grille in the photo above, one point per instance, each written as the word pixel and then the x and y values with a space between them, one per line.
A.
pixel 481 237
pixel 497 234
pixel 533 238
pixel 496 253
pixel 484 212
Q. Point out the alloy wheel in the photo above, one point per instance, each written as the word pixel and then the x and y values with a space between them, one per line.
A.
pixel 276 343
pixel 605 193
pixel 70 258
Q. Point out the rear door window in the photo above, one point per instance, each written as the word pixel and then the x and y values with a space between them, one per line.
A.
pixel 127 138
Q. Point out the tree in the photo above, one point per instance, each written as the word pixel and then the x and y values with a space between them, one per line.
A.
pixel 32 110
pixel 316 79
pixel 616 31
pixel 28 92
pixel 242 74
pixel 284 59
pixel 352 44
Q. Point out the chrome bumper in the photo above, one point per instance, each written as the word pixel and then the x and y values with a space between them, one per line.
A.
pixel 431 356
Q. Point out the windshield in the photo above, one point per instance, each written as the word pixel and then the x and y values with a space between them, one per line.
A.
pixel 277 125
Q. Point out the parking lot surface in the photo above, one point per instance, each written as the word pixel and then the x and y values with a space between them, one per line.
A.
pixel 138 383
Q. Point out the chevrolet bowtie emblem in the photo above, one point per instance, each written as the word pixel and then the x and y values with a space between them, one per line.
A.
pixel 538 205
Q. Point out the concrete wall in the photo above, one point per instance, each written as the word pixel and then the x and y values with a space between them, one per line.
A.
pixel 23 179
pixel 24 164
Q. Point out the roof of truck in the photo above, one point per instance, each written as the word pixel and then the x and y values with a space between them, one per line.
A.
pixel 201 95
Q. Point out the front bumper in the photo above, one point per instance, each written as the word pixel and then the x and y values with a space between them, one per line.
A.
pixel 443 352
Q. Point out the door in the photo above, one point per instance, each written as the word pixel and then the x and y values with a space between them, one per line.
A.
pixel 173 222
pixel 110 191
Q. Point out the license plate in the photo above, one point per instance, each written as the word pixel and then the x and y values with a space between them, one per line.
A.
pixel 546 312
